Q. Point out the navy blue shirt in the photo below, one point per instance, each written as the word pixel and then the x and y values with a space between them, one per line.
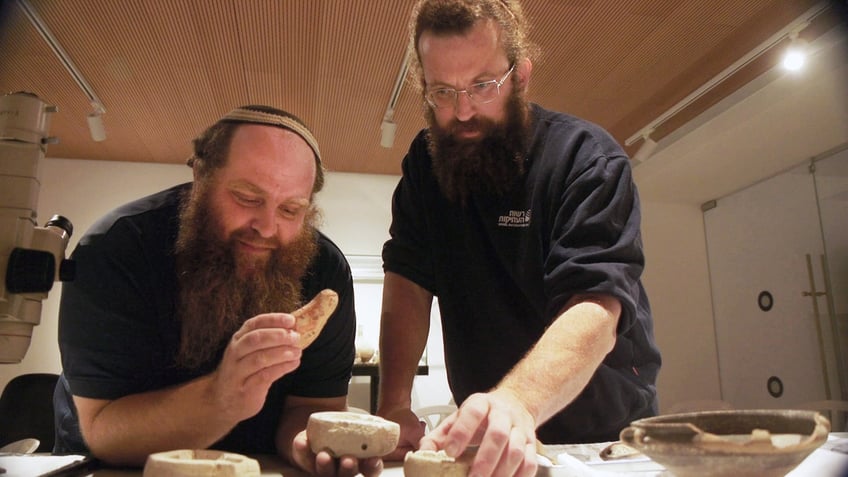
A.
pixel 118 333
pixel 503 267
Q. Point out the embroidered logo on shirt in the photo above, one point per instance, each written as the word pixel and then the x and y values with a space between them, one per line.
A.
pixel 515 218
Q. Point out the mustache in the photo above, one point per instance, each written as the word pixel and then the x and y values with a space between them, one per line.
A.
pixel 252 237
pixel 475 123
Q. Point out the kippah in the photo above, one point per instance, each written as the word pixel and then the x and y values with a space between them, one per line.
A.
pixel 246 114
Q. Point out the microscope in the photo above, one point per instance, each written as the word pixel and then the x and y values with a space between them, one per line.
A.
pixel 31 257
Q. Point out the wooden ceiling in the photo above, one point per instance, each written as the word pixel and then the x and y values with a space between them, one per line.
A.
pixel 165 70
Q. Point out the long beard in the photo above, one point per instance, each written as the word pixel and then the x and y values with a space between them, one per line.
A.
pixel 218 290
pixel 490 165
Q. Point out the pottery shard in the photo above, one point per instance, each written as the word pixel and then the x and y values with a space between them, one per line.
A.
pixel 352 434
pixel 427 463
pixel 207 463
pixel 311 318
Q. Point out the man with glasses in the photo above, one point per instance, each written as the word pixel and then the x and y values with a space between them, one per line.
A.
pixel 524 223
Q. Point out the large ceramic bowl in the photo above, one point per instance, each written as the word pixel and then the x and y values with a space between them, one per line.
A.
pixel 757 443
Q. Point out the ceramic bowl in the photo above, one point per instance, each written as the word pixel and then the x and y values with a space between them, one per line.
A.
pixel 734 443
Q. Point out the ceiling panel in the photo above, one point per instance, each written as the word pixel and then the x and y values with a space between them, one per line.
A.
pixel 166 70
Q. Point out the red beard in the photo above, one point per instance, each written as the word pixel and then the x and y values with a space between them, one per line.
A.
pixel 219 288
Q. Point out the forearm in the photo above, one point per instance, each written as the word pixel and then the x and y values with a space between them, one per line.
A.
pixel 404 326
pixel 126 430
pixel 563 361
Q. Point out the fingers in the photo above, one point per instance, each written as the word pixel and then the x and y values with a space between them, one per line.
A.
pixel 514 458
pixel 302 454
pixel 346 466
pixel 260 352
pixel 459 430
pixel 273 331
pixel 325 465
pixel 266 321
pixel 494 451
pixel 529 466
pixel 506 440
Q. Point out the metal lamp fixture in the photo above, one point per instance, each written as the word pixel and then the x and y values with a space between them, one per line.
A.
pixel 95 124
pixel 387 133
pixel 95 118
pixel 388 126
pixel 796 54
pixel 646 150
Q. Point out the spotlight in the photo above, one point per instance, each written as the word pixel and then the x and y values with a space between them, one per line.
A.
pixel 96 127
pixel 796 54
pixel 387 129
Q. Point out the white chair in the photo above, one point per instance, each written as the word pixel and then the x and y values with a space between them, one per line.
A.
pixel 699 405
pixel 833 409
pixel 433 415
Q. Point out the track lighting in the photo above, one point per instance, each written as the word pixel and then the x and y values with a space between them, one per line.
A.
pixel 646 150
pixel 796 53
pixel 95 125
pixel 95 118
pixel 790 31
pixel 388 127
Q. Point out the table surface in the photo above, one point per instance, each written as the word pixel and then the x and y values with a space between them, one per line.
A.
pixel 826 461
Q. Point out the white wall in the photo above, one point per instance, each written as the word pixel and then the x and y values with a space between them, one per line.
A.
pixel 678 285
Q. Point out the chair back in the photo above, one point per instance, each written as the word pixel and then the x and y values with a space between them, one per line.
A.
pixel 26 410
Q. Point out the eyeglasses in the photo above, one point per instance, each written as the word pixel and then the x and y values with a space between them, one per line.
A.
pixel 480 93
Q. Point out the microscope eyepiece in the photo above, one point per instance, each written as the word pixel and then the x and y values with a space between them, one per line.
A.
pixel 61 222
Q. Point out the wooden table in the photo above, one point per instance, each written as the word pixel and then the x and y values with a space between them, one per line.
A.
pixel 372 371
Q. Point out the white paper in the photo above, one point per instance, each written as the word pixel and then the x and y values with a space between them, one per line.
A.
pixel 29 465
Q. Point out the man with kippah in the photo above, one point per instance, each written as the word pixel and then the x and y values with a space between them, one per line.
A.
pixel 177 332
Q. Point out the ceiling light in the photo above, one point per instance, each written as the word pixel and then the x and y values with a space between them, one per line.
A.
pixel 95 124
pixel 387 133
pixel 388 127
pixel 796 54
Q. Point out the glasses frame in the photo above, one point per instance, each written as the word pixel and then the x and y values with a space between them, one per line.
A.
pixel 497 83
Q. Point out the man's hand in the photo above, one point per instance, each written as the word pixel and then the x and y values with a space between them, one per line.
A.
pixel 323 464
pixel 411 431
pixel 263 350
pixel 499 424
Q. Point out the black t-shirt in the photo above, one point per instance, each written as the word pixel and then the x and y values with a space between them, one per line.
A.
pixel 502 267
pixel 118 334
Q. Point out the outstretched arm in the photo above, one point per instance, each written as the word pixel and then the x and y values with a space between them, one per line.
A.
pixel 503 421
